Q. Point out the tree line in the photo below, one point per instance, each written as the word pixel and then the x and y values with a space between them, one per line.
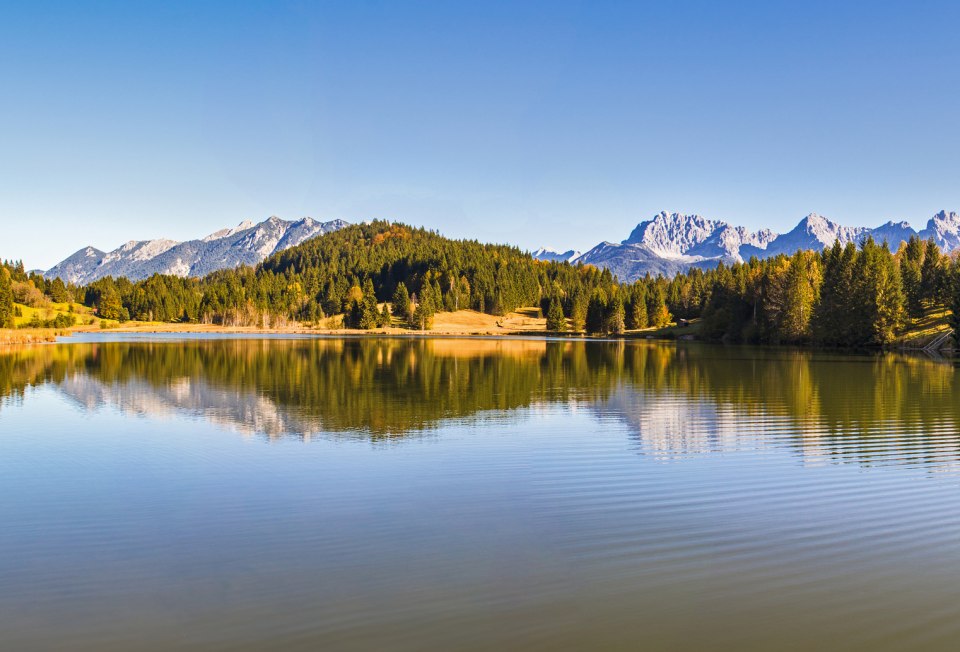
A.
pixel 844 296
pixel 384 273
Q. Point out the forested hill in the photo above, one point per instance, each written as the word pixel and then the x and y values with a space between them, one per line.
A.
pixel 457 273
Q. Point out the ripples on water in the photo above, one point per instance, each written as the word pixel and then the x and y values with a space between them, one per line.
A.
pixel 472 494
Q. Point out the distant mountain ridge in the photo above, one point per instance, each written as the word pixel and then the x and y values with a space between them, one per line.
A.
pixel 245 244
pixel 545 253
pixel 672 242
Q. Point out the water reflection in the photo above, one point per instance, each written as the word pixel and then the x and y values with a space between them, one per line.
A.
pixel 677 400
pixel 567 495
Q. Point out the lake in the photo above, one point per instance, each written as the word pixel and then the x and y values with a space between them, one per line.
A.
pixel 475 494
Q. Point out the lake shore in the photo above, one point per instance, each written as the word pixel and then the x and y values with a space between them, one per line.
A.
pixel 525 322
pixel 457 324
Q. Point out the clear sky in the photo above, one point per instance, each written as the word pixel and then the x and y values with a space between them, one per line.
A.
pixel 558 123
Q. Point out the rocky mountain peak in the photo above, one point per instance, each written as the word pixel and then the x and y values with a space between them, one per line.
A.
pixel 669 242
pixel 245 244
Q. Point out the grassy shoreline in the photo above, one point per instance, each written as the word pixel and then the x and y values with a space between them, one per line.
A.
pixel 464 323
pixel 446 324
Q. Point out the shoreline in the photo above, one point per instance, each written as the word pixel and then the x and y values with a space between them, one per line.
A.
pixel 522 324
pixel 13 339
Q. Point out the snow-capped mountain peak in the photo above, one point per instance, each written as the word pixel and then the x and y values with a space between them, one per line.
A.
pixel 944 228
pixel 245 244
pixel 549 254
pixel 670 235
pixel 672 242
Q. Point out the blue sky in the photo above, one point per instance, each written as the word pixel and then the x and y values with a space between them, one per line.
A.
pixel 560 123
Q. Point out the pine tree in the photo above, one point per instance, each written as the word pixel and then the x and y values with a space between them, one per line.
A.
pixel 800 285
pixel 880 312
pixel 58 291
pixel 110 305
pixel 401 302
pixel 596 312
pixel 833 319
pixel 658 314
pixel 555 319
pixel 6 299
pixel 911 264
pixel 423 314
pixel 370 316
pixel 637 312
pixel 931 274
pixel 614 322
pixel 890 300
pixel 955 299
pixel 578 310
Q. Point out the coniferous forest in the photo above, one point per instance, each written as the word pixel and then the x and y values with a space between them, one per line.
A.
pixel 383 273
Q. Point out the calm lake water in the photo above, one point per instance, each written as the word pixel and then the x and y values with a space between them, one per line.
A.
pixel 303 494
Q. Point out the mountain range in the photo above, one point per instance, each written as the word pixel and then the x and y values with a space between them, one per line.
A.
pixel 666 244
pixel 245 244
pixel 672 242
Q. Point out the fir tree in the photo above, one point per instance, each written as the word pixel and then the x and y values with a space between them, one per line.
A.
pixel 796 290
pixel 58 291
pixel 555 319
pixel 911 264
pixel 401 302
pixel 833 323
pixel 932 280
pixel 614 321
pixel 877 279
pixel 6 299
pixel 578 310
pixel 637 311
pixel 424 312
pixel 597 312
pixel 955 299
pixel 657 312
pixel 370 317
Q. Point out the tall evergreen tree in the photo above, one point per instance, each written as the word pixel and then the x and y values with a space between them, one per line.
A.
pixel 615 319
pixel 597 312
pixel 911 264
pixel 58 291
pixel 955 299
pixel 578 310
pixel 401 301
pixel 555 319
pixel 932 279
pixel 795 291
pixel 6 299
pixel 426 307
pixel 370 317
pixel 658 314
pixel 833 321
pixel 637 310
pixel 881 310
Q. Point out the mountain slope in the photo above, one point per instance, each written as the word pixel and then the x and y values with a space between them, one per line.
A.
pixel 78 266
pixel 632 261
pixel 245 244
